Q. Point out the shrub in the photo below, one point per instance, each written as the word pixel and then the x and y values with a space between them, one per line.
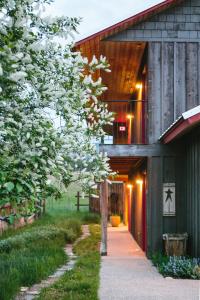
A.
pixel 177 267
pixel 91 218
pixel 181 267
pixel 36 234
pixel 68 231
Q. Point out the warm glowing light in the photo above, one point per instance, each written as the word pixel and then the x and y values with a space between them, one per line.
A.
pixel 130 116
pixel 139 181
pixel 129 186
pixel 138 85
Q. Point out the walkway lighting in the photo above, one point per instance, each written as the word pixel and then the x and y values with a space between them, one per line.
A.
pixel 130 186
pixel 139 181
pixel 138 86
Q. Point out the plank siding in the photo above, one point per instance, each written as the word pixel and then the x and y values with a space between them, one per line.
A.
pixel 173 39
pixel 191 75
pixel 168 85
pixel 154 91
pixel 173 83
pixel 154 205
pixel 192 179
pixel 180 82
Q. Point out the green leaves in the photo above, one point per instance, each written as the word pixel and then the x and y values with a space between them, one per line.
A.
pixel 9 186
pixel 41 78
pixel 19 188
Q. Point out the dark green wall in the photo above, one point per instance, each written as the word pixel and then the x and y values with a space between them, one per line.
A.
pixel 184 169
pixel 192 190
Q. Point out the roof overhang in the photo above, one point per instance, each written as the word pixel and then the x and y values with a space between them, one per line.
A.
pixel 186 122
pixel 123 25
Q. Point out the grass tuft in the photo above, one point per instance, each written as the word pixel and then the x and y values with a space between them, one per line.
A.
pixel 82 282
pixel 32 253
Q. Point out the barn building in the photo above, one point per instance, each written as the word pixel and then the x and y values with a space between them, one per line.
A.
pixel 154 143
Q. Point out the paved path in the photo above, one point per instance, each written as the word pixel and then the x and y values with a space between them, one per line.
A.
pixel 126 274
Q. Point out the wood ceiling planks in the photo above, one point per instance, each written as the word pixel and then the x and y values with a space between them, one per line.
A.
pixel 123 165
pixel 125 59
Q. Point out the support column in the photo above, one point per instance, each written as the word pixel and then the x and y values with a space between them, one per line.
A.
pixel 104 216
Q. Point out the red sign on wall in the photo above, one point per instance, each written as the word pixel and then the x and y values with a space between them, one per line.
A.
pixel 122 128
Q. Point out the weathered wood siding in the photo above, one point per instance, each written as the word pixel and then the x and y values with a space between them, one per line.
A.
pixel 175 24
pixel 174 81
pixel 173 39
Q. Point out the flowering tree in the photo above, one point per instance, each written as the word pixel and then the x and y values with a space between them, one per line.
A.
pixel 40 75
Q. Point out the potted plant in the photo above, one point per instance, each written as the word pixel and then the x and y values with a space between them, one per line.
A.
pixel 115 219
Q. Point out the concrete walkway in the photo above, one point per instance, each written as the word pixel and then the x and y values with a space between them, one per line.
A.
pixel 126 274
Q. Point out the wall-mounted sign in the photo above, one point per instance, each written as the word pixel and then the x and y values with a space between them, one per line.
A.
pixel 122 128
pixel 169 199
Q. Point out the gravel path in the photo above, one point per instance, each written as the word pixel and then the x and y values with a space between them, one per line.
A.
pixel 126 274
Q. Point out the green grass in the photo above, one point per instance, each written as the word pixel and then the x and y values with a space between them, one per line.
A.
pixel 68 200
pixel 82 282
pixel 30 254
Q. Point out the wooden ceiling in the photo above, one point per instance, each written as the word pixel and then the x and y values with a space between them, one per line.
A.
pixel 125 60
pixel 123 165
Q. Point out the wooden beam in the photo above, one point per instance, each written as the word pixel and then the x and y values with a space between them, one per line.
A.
pixel 104 216
pixel 137 150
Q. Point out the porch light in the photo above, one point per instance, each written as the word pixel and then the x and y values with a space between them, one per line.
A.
pixel 138 86
pixel 130 186
pixel 139 181
pixel 130 117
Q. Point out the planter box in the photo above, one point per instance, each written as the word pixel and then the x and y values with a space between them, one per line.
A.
pixel 175 244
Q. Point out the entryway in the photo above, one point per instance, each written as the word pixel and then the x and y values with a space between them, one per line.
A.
pixel 127 195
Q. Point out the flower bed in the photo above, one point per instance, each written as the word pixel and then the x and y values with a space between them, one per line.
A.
pixel 177 267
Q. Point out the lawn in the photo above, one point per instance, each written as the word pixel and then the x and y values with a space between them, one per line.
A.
pixel 82 282
pixel 31 253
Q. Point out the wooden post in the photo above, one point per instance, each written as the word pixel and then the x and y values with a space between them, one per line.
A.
pixel 78 201
pixel 104 216
pixel 90 203
pixel 44 206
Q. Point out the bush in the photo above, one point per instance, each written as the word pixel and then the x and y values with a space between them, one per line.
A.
pixel 36 234
pixel 177 267
pixel 91 218
pixel 181 267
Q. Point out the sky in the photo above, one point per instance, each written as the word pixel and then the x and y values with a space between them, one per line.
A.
pixel 98 14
